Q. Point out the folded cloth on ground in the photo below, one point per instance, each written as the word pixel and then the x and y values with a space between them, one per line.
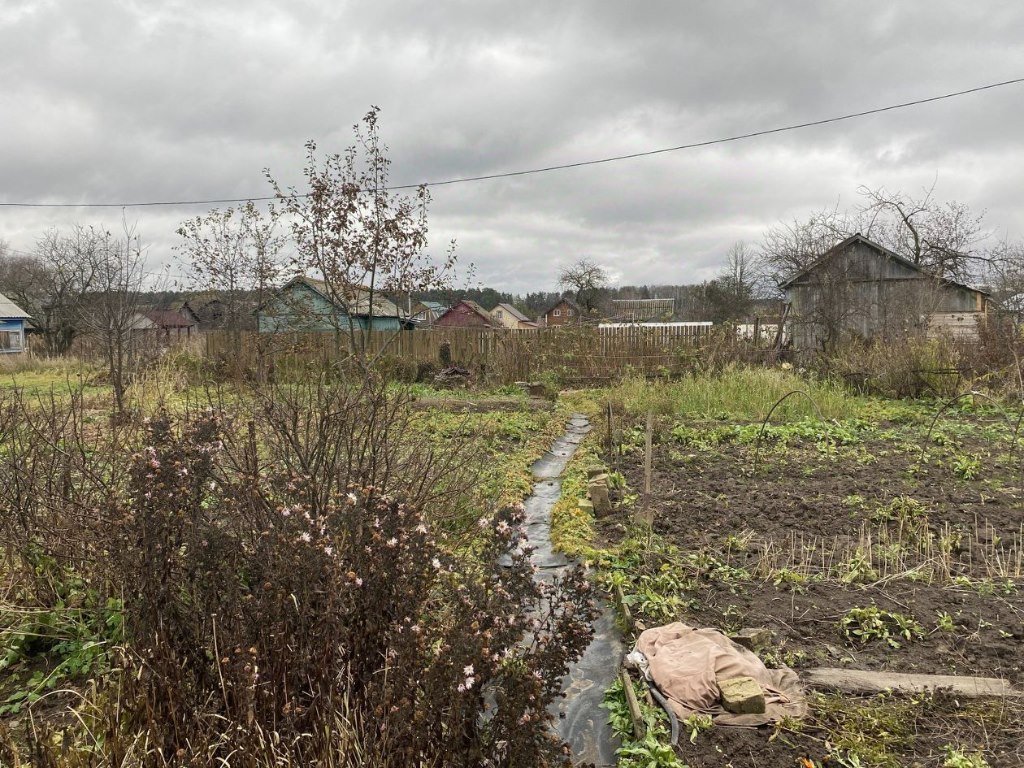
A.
pixel 687 663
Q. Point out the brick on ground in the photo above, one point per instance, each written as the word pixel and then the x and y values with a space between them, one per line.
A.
pixel 742 696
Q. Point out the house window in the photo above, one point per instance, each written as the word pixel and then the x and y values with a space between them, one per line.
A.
pixel 568 312
pixel 557 313
pixel 10 341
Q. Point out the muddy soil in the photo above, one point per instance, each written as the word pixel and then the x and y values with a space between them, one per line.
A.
pixel 483 404
pixel 792 536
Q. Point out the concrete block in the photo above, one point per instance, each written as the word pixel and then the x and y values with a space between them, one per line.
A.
pixel 594 470
pixel 742 696
pixel 598 493
pixel 754 638
pixel 586 506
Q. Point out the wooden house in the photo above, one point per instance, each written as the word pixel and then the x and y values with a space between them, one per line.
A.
pixel 466 314
pixel 12 327
pixel 859 288
pixel 306 304
pixel 425 313
pixel 563 312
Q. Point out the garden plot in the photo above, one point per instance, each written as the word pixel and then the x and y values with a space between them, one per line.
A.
pixel 865 543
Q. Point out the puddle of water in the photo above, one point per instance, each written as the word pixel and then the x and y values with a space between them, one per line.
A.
pixel 581 721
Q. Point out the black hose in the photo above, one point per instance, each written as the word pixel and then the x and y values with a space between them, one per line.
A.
pixel 672 719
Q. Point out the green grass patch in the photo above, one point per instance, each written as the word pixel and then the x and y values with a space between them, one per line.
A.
pixel 738 393
pixel 572 529
pixel 40 376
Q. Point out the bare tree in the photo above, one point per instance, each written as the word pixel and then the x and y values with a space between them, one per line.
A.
pixel 788 248
pixel 1005 276
pixel 110 309
pixel 361 237
pixel 236 253
pixel 942 238
pixel 586 280
pixel 55 285
pixel 24 281
pixel 731 295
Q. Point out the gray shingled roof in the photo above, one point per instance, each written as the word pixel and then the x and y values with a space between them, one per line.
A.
pixel 514 312
pixel 9 309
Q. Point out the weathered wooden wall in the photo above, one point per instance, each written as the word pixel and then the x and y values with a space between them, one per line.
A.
pixel 864 292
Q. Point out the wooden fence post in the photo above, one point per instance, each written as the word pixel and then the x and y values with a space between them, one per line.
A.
pixel 648 513
pixel 608 438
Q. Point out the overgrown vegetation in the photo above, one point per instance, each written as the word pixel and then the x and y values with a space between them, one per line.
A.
pixel 178 613
pixel 303 575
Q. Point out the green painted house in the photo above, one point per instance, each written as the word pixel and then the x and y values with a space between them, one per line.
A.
pixel 307 304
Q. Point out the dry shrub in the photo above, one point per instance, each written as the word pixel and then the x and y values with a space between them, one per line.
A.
pixel 905 367
pixel 723 348
pixel 286 600
pixel 996 357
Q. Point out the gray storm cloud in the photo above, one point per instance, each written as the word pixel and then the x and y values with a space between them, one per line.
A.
pixel 134 101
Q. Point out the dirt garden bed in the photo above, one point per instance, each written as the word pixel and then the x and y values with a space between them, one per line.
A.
pixel 861 545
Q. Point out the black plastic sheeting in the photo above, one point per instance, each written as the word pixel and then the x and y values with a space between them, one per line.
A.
pixel 581 721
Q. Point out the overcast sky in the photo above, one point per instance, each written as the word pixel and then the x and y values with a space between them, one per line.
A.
pixel 144 100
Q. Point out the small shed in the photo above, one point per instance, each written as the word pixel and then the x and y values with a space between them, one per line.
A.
pixel 862 289
pixel 173 325
pixel 12 327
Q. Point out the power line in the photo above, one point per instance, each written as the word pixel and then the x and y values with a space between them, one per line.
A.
pixel 559 167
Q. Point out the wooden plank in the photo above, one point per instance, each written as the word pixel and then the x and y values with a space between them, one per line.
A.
pixel 627 614
pixel 863 682
pixel 639 728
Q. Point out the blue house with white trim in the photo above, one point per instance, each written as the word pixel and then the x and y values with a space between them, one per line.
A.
pixel 12 327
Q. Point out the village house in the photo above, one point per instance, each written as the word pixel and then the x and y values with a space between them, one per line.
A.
pixel 859 288
pixel 12 327
pixel 307 304
pixel 508 316
pixel 172 325
pixel 214 311
pixel 425 313
pixel 563 312
pixel 155 328
pixel 466 314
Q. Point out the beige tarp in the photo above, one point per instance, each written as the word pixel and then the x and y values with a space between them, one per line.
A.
pixel 686 664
